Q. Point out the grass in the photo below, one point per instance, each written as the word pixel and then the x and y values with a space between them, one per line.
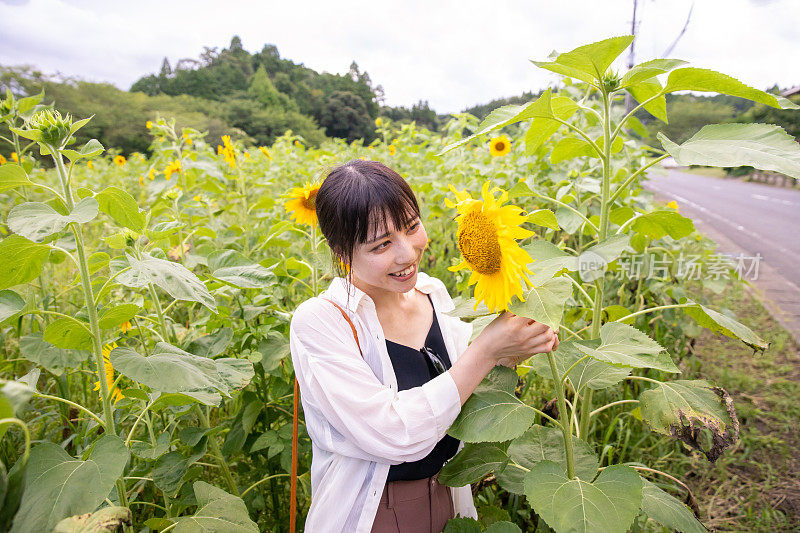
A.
pixel 713 172
pixel 755 486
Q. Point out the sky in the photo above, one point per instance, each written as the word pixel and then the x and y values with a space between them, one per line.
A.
pixel 454 54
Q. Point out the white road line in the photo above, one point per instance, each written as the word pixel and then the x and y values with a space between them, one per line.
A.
pixel 768 199
pixel 725 221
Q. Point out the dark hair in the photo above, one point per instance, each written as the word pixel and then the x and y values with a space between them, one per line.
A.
pixel 358 196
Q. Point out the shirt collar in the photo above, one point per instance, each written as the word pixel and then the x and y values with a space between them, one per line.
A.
pixel 426 284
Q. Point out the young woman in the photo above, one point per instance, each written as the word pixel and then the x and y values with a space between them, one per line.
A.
pixel 382 370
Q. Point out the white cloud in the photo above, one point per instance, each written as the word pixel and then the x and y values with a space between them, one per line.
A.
pixel 453 54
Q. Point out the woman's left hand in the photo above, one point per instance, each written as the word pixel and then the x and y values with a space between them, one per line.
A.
pixel 511 362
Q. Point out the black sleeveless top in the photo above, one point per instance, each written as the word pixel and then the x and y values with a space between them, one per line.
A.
pixel 413 370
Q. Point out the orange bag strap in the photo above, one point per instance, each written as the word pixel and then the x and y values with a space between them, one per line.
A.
pixel 293 496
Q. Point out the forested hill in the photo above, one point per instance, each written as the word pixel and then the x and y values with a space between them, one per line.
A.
pixel 262 92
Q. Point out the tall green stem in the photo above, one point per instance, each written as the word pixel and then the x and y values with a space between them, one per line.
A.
pixel 201 415
pixel 91 309
pixel 586 404
pixel 563 416
pixel 216 451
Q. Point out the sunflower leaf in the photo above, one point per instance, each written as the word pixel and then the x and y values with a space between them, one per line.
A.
pixel 545 303
pixel 542 107
pixel 588 62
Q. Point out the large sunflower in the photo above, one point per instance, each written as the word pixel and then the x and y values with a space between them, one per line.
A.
pixel 499 146
pixel 487 234
pixel 302 204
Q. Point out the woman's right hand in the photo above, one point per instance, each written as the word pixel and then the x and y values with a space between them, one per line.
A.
pixel 510 339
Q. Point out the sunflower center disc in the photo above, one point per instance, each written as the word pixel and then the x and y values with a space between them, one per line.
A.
pixel 310 202
pixel 499 146
pixel 477 240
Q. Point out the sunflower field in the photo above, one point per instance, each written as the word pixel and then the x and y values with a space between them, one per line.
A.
pixel 145 305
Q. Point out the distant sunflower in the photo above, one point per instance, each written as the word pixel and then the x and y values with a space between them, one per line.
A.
pixel 499 146
pixel 116 394
pixel 487 234
pixel 302 204
pixel 119 160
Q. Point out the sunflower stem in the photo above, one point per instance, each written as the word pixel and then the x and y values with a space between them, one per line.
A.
pixel 566 425
pixel 91 309
pixel 605 204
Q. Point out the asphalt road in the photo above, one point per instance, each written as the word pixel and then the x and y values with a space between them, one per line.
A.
pixel 758 218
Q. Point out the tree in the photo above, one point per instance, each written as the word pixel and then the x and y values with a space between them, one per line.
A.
pixel 262 90
pixel 166 69
pixel 345 115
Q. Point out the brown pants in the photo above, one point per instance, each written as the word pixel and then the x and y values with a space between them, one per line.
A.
pixel 419 506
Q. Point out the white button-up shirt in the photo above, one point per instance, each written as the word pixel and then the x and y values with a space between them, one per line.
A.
pixel 359 423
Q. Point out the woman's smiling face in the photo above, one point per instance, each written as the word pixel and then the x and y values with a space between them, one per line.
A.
pixel 389 260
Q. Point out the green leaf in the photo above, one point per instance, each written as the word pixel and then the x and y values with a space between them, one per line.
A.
pixel 668 511
pixel 462 525
pixel 68 333
pixel 609 504
pixel 762 146
pixel 22 260
pixel 627 346
pixel 700 79
pixel 35 220
pixel 657 224
pixel 89 150
pixel 105 520
pixel 11 304
pixel 570 147
pixel 644 90
pixel 234 268
pixel 542 128
pixel 472 463
pixel 169 470
pixel 549 261
pixel 611 248
pixel 649 69
pixel 492 413
pixel 15 396
pixel 588 373
pixel 174 278
pixel 121 206
pixel 162 230
pixel 545 303
pixel 544 217
pixel 234 373
pixel 32 134
pixel 719 323
pixel 12 176
pixel 114 316
pixel 167 369
pixel 58 486
pixel 511 114
pixel 271 442
pixel 165 400
pixel 145 450
pixel 217 511
pixel 211 345
pixel 78 124
pixel 588 62
pixel 540 443
pixel 34 348
pixel 682 408
pixel 29 102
